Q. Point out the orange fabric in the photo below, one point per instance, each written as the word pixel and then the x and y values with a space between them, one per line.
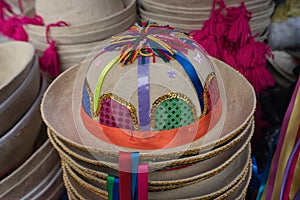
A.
pixel 151 140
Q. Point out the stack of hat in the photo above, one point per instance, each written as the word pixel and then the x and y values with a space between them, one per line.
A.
pixel 152 116
pixel 190 15
pixel 86 24
pixel 23 164
pixel 282 68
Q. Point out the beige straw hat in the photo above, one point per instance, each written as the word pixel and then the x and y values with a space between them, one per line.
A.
pixel 197 167
pixel 210 188
pixel 240 109
pixel 23 134
pixel 28 176
pixel 195 131
pixel 16 61
pixel 76 12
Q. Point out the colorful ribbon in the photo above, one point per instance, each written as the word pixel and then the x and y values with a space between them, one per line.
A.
pixel 100 82
pixel 289 172
pixel 125 168
pixel 116 191
pixel 191 72
pixel 283 149
pixel 143 182
pixel 134 175
pixel 143 93
pixel 110 186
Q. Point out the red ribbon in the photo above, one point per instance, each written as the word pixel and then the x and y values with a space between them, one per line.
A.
pixel 125 175
pixel 143 181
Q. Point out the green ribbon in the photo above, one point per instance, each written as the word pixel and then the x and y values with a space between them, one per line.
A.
pixel 110 186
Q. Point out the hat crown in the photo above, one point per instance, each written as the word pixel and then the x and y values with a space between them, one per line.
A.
pixel 150 78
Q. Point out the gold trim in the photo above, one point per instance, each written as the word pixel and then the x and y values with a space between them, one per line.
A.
pixel 175 184
pixel 128 105
pixel 169 96
pixel 69 186
pixel 68 171
pixel 206 91
pixel 159 165
pixel 238 180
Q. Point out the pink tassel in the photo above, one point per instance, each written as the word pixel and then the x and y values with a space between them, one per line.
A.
pixel 20 34
pixel 239 32
pixel 8 26
pixel 229 58
pixel 207 36
pixel 252 64
pixel 13 26
pixel 50 61
pixel 210 44
pixel 4 7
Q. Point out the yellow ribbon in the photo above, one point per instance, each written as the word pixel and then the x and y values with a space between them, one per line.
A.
pixel 100 82
pixel 287 148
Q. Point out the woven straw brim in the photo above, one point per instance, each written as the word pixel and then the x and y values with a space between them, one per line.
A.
pixel 18 142
pixel 59 119
pixel 165 180
pixel 201 163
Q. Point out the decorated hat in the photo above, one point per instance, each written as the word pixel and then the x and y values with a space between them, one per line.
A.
pixel 154 100
pixel 111 78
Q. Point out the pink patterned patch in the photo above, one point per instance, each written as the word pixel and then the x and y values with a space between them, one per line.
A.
pixel 116 115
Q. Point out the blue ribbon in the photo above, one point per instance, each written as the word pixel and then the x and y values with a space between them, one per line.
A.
pixel 134 175
pixel 191 72
pixel 116 189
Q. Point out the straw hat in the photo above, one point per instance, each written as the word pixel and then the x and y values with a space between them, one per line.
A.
pixel 210 188
pixel 189 16
pixel 80 37
pixel 76 12
pixel 16 104
pixel 22 134
pixel 158 180
pixel 180 110
pixel 16 61
pixel 243 98
pixel 101 23
pixel 25 181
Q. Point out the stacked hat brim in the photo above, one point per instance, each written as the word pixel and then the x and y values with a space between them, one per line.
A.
pixel 85 34
pixel 188 16
pixel 282 67
pixel 26 160
pixel 219 162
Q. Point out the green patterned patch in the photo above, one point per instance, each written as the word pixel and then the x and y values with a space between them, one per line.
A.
pixel 173 113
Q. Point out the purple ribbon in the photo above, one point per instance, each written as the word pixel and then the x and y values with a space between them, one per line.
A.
pixel 143 93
